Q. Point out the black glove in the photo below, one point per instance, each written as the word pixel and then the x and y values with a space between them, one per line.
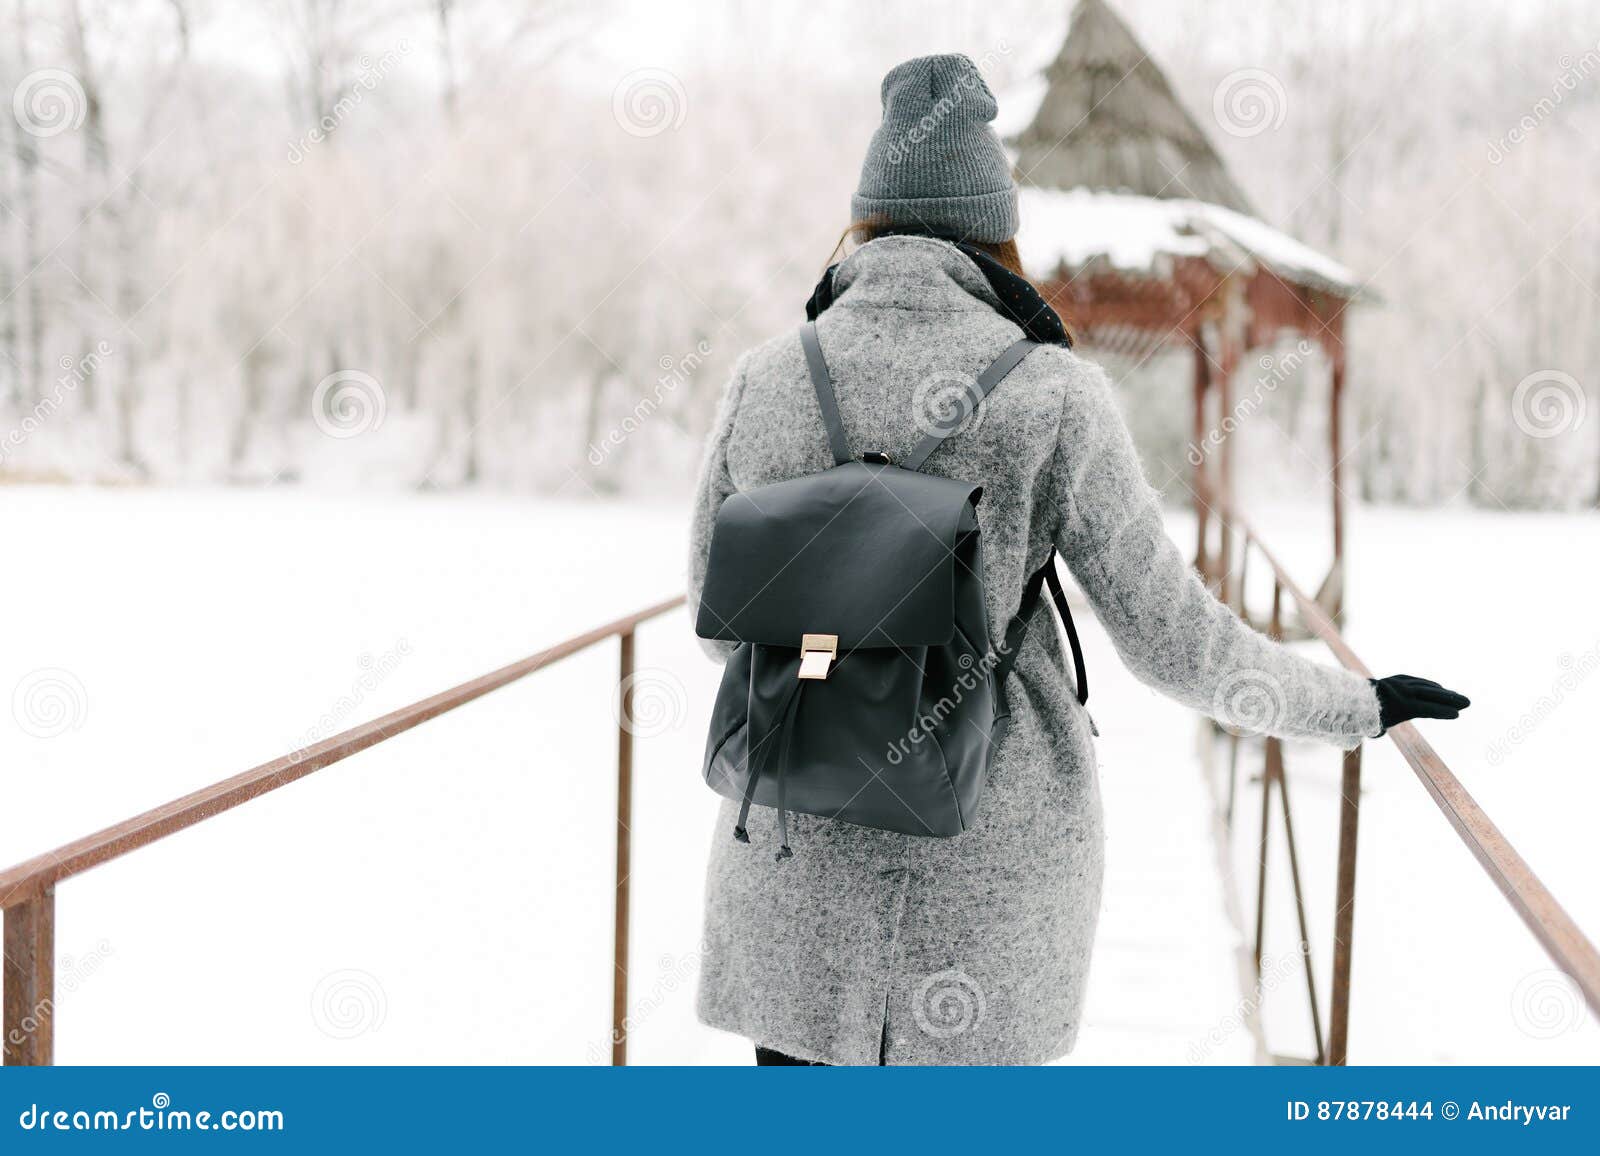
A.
pixel 1402 697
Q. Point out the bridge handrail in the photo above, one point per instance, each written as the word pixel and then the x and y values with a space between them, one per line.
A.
pixel 27 890
pixel 1551 925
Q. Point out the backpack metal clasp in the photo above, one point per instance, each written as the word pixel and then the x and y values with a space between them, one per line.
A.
pixel 817 652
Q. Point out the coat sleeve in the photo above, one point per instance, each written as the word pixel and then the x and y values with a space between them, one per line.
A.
pixel 1167 627
pixel 715 485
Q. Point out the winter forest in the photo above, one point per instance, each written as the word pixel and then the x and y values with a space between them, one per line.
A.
pixel 447 243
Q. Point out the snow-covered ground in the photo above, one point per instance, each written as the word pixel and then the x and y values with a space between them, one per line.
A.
pixel 446 896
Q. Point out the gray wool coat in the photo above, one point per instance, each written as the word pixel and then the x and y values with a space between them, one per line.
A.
pixel 873 947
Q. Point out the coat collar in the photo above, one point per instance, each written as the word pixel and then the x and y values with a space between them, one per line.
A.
pixel 914 270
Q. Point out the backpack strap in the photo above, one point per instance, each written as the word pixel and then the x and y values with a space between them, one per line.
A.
pixel 826 402
pixel 1015 633
pixel 829 404
pixel 986 382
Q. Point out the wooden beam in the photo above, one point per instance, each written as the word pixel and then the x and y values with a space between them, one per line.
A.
pixel 619 971
pixel 1344 914
pixel 1231 330
pixel 1334 343
pixel 1202 384
pixel 30 981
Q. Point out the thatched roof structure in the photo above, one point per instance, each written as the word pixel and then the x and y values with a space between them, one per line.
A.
pixel 1109 120
pixel 1136 234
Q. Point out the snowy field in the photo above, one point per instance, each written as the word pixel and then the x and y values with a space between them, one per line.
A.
pixel 446 896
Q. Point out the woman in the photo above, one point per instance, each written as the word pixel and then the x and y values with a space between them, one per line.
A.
pixel 870 947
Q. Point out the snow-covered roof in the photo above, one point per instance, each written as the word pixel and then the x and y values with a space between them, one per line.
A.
pixel 1076 229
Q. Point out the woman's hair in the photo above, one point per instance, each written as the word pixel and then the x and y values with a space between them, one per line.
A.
pixel 860 232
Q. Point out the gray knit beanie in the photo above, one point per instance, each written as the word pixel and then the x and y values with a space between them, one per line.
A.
pixel 935 163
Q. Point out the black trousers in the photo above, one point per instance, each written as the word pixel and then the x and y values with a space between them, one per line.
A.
pixel 767 1058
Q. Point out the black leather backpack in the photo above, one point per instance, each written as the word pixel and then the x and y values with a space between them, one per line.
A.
pixel 863 687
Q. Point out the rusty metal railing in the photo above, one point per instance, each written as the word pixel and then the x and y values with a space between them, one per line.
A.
pixel 27 891
pixel 1549 922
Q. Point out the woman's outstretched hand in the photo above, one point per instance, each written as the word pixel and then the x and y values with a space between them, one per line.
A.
pixel 1403 697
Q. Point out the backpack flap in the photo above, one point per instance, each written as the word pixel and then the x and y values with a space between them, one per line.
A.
pixel 864 552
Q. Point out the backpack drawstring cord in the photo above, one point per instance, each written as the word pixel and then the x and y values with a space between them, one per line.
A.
pixel 762 751
pixel 783 772
pixel 786 715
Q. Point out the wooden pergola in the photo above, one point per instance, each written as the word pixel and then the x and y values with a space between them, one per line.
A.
pixel 1138 235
